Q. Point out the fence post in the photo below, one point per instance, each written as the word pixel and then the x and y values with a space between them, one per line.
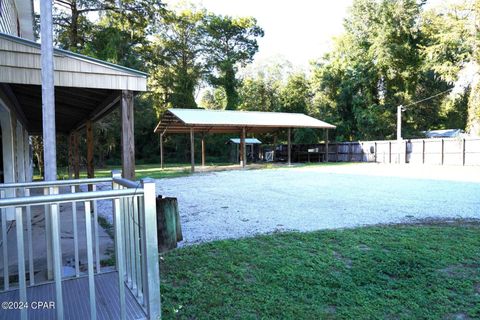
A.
pixel 152 297
pixel 56 253
pixel 336 151
pixel 375 152
pixel 389 151
pixel 463 151
pixel 423 151
pixel 406 151
pixel 443 151
pixel 119 241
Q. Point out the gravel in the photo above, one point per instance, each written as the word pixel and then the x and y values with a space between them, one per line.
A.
pixel 235 204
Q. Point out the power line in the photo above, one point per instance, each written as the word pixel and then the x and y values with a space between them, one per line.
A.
pixel 426 99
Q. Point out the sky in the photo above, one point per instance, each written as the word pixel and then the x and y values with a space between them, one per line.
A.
pixel 297 30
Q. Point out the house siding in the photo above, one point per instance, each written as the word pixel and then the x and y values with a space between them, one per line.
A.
pixel 17 159
pixel 9 17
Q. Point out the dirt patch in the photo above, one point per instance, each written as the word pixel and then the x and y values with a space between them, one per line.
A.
pixel 457 316
pixel 331 309
pixel 460 270
pixel 363 247
pixel 476 288
pixel 346 261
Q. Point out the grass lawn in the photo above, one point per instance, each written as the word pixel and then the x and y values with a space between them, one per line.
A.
pixel 427 271
pixel 142 171
pixel 174 170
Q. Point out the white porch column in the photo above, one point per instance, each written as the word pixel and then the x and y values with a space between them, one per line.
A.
pixel 48 92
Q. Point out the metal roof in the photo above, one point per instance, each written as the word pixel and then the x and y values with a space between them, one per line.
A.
pixel 247 141
pixel 71 54
pixel 222 121
pixel 20 64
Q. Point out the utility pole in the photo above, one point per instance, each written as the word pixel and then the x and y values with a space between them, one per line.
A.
pixel 400 109
pixel 48 93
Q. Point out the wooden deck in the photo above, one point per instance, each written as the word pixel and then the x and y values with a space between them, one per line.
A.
pixel 75 300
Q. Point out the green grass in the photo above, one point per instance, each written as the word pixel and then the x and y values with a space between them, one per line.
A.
pixel 176 169
pixel 142 171
pixel 392 272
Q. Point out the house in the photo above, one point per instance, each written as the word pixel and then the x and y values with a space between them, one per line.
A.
pixel 86 90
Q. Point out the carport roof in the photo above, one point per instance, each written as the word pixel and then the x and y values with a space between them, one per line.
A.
pixel 221 121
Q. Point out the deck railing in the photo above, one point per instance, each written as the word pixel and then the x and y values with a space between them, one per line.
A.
pixel 135 237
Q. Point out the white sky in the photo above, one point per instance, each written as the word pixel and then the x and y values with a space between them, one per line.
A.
pixel 298 30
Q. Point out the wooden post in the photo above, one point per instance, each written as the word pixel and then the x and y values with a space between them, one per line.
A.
pixel 289 147
pixel 406 151
pixel 161 150
pixel 128 141
pixel 169 230
pixel 423 151
pixel 275 138
pixel 203 149
pixel 443 151
pixel 463 151
pixel 326 145
pixel 243 149
pixel 76 156
pixel 90 165
pixel 71 146
pixel 336 152
pixel 192 150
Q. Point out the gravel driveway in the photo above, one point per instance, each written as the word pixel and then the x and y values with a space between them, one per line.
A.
pixel 242 203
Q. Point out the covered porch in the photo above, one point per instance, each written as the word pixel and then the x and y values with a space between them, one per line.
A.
pixel 126 284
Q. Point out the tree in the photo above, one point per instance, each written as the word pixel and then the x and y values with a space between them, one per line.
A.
pixel 213 99
pixel 259 94
pixel 380 62
pixel 72 26
pixel 178 57
pixel 230 42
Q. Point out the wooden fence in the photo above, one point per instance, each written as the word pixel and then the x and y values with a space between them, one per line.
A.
pixel 451 151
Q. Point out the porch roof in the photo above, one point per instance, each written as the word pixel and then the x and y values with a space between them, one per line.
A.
pixel 85 88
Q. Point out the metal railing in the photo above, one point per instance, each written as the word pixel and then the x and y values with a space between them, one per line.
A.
pixel 135 237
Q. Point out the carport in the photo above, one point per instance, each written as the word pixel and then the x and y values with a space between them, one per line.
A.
pixel 191 121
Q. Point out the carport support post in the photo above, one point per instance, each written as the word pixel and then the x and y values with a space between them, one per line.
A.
pixel 70 155
pixel 326 145
pixel 76 156
pixel 243 150
pixel 90 166
pixel 192 151
pixel 289 148
pixel 161 150
pixel 128 142
pixel 203 149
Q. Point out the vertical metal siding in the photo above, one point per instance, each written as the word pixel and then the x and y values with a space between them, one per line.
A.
pixel 8 17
